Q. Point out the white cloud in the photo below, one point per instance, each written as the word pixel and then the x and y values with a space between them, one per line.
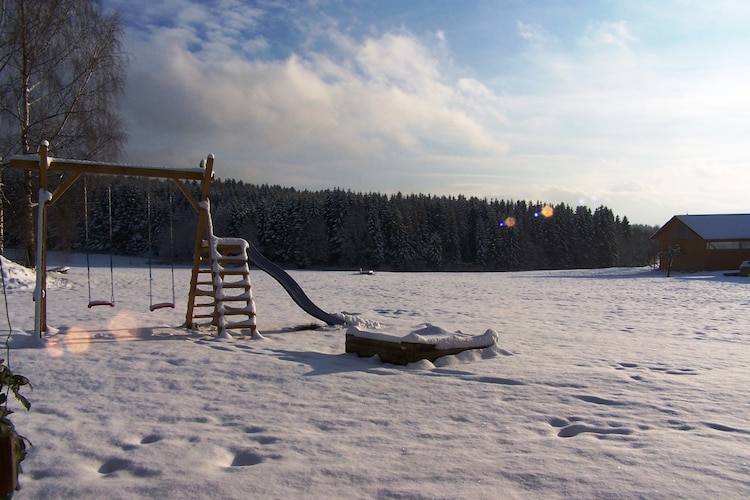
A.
pixel 216 30
pixel 608 33
pixel 532 33
pixel 592 111
pixel 254 45
pixel 397 60
pixel 382 100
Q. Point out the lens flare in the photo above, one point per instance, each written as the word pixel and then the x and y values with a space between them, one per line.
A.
pixel 77 340
pixel 124 326
pixel 547 211
pixel 53 346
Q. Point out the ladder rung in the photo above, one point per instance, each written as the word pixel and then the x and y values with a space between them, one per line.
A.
pixel 247 305
pixel 252 325
pixel 229 250
pixel 238 313
pixel 225 244
pixel 237 305
pixel 232 263
pixel 238 272
pixel 246 295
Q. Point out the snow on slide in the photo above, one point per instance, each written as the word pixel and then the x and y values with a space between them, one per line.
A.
pixel 291 286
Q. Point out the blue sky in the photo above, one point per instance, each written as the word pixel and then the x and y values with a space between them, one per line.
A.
pixel 641 106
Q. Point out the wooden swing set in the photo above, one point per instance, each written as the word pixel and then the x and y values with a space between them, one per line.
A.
pixel 214 259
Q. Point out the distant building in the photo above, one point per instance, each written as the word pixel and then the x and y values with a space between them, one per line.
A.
pixel 706 242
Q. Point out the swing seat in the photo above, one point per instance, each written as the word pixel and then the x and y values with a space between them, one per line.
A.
pixel 95 303
pixel 161 305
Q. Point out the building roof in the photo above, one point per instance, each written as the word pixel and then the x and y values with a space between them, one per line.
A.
pixel 714 227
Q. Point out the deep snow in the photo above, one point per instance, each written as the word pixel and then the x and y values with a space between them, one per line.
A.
pixel 604 383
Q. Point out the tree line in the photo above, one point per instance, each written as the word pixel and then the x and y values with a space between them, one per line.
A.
pixel 339 229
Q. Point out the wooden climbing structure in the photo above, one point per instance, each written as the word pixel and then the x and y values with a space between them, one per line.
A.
pixel 220 288
pixel 220 284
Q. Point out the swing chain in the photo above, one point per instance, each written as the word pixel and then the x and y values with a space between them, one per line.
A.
pixel 110 302
pixel 162 305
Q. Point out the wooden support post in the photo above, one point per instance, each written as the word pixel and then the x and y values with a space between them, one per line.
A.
pixel 40 293
pixel 200 235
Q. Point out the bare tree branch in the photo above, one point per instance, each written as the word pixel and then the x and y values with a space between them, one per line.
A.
pixel 62 72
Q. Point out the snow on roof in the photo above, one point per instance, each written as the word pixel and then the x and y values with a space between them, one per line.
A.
pixel 715 227
pixel 719 227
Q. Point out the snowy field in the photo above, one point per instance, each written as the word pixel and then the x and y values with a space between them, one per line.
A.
pixel 615 383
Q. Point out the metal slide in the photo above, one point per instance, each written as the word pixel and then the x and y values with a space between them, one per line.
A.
pixel 291 286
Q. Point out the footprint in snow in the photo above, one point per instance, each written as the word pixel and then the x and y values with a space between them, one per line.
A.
pixel 627 365
pixel 266 439
pixel 680 425
pixel 114 465
pixel 576 429
pixel 151 438
pixel 246 458
pixel 725 428
pixel 682 371
pixel 568 429
pixel 599 401
pixel 558 422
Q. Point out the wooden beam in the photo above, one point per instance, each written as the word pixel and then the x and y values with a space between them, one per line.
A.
pixel 188 194
pixel 31 162
pixel 64 187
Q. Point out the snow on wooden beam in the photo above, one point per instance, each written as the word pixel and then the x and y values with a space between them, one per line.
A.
pixel 31 162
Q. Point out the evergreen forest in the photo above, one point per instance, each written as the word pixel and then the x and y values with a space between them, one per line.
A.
pixel 336 229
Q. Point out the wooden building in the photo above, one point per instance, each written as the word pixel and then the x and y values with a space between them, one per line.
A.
pixel 706 242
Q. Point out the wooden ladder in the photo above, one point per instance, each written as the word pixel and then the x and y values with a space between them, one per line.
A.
pixel 221 287
pixel 233 296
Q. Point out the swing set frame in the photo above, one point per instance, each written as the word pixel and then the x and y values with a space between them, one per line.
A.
pixel 45 164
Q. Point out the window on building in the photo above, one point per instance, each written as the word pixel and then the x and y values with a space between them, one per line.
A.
pixel 727 245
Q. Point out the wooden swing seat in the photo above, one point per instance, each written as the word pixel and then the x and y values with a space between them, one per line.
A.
pixel 162 305
pixel 95 303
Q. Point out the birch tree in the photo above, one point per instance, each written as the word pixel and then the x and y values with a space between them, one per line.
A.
pixel 62 72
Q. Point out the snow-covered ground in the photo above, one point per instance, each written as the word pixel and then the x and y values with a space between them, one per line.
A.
pixel 604 384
